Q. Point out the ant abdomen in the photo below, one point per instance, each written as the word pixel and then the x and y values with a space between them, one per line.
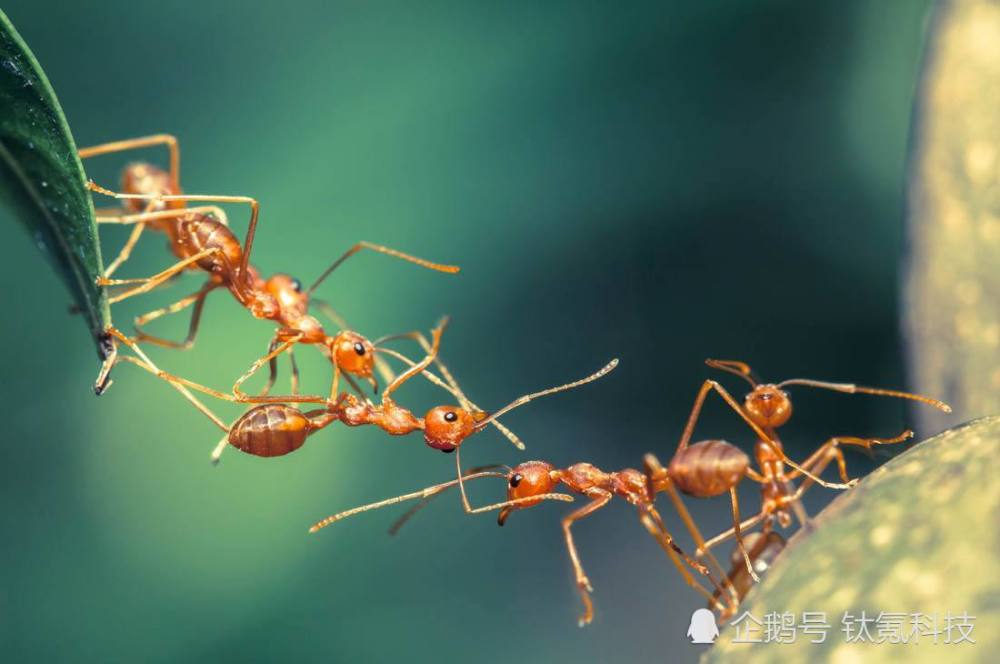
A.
pixel 197 232
pixel 708 468
pixel 270 430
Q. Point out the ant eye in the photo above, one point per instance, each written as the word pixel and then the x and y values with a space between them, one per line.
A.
pixel 296 285
pixel 359 348
pixel 515 480
pixel 450 416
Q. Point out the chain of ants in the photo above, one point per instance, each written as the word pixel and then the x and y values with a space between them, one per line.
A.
pixel 201 240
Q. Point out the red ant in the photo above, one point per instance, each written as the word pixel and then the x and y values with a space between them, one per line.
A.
pixel 533 481
pixel 201 240
pixel 200 237
pixel 275 429
pixel 765 408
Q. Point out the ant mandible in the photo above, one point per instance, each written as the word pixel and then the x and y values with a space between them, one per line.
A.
pixel 201 240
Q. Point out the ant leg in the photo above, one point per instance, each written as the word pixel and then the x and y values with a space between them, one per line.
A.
pixel 658 520
pixel 722 537
pixel 656 474
pixel 409 514
pixel 423 493
pixel 737 532
pixel 735 367
pixel 710 385
pixel 148 365
pixel 242 397
pixel 198 299
pixel 179 383
pixel 667 544
pixel 144 141
pixel 126 251
pixel 665 538
pixel 295 371
pixel 160 215
pixel 599 499
pixel 384 371
pixel 420 366
pixel 157 279
pixel 252 202
pixel 463 400
pixel 382 250
pixel 835 443
pixel 272 366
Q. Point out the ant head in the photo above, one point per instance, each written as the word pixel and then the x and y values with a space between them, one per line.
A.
pixel 768 406
pixel 353 353
pixel 263 305
pixel 445 427
pixel 532 478
pixel 289 293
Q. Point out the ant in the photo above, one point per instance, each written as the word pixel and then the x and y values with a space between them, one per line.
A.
pixel 201 239
pixel 275 429
pixel 531 482
pixel 204 242
pixel 142 178
pixel 710 468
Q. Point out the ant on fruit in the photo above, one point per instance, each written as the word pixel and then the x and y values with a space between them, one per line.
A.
pixel 275 429
pixel 765 408
pixel 204 242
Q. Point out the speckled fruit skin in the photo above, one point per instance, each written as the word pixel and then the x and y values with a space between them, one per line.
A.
pixel 920 534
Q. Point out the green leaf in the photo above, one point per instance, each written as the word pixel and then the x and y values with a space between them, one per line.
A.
pixel 918 535
pixel 42 182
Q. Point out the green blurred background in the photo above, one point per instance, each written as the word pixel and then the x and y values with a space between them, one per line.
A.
pixel 660 182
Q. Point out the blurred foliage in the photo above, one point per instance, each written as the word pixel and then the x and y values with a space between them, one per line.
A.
pixel 952 284
pixel 41 180
pixel 661 182
pixel 913 537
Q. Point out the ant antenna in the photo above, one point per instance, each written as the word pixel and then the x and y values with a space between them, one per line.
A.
pixel 608 368
pixel 741 369
pixel 850 388
pixel 410 513
pixel 451 269
pixel 423 493
pixel 423 364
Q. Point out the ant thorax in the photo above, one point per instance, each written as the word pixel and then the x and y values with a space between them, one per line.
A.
pixel 631 485
pixel 147 180
pixel 391 418
pixel 768 455
pixel 311 329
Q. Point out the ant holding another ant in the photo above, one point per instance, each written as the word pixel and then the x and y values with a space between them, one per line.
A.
pixel 702 469
pixel 202 240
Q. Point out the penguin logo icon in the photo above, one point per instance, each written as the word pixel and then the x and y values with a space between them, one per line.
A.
pixel 703 628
